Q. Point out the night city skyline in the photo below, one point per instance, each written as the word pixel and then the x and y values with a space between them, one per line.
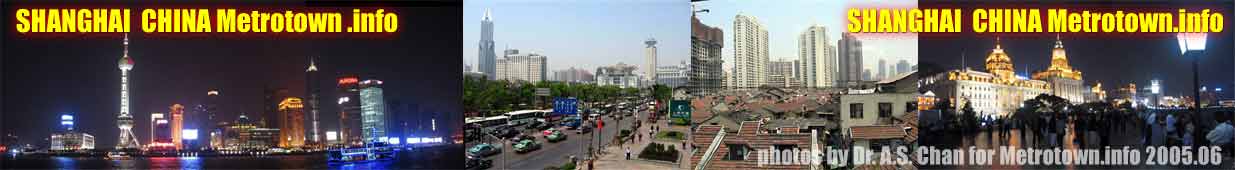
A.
pixel 1114 59
pixel 1138 58
pixel 79 75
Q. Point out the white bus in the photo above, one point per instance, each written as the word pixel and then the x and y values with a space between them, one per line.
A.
pixel 524 117
pixel 486 125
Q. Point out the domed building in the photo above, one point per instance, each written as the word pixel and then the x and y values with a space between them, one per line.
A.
pixel 996 92
pixel 1066 82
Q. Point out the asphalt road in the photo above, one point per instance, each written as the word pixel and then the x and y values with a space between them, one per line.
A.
pixel 555 154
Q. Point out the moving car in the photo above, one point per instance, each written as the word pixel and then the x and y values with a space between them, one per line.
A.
pixel 527 145
pixel 556 136
pixel 483 150
pixel 477 163
pixel 520 137
pixel 584 129
pixel 539 125
pixel 506 133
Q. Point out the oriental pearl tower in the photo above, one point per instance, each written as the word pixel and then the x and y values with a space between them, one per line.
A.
pixel 125 119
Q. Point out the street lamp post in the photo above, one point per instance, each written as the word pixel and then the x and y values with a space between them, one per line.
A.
pixel 1193 44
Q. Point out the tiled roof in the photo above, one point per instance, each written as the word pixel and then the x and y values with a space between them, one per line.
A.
pixel 878 132
pixel 703 139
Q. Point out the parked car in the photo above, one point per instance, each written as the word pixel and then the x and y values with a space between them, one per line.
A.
pixel 477 163
pixel 526 146
pixel 483 150
pixel 556 136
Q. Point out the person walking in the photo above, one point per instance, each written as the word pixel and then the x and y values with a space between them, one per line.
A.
pixel 628 153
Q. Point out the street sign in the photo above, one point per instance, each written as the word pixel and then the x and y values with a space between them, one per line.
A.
pixel 568 106
pixel 543 92
pixel 679 109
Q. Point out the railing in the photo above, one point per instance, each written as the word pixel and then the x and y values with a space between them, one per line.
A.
pixel 707 156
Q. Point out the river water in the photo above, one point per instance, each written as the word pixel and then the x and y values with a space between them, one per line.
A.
pixel 438 158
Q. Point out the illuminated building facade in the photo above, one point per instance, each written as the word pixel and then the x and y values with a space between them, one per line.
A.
pixel 68 139
pixel 124 120
pixel 161 133
pixel 291 117
pixel 177 124
pixel 1125 94
pixel 154 119
pixel 1095 93
pixel 207 111
pixel 237 134
pixel 71 141
pixel 261 138
pixel 373 110
pixel 313 107
pixel 349 110
pixel 1065 82
pixel 995 92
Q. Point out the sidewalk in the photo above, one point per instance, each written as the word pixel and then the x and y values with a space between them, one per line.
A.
pixel 616 157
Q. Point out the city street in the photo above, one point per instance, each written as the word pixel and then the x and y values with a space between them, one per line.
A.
pixel 616 157
pixel 554 154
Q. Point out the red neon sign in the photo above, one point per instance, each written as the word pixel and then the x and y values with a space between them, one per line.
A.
pixel 348 80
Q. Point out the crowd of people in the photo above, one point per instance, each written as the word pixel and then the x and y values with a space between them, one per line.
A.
pixel 1157 128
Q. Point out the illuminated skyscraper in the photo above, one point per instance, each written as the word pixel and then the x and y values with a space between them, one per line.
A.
pixel 125 120
pixel 154 118
pixel 349 110
pixel 291 119
pixel 177 124
pixel 160 131
pixel 205 118
pixel 373 109
pixel 312 88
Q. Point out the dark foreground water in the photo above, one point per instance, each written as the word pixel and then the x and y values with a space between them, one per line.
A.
pixel 438 158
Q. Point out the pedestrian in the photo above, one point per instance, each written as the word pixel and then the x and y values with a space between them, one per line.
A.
pixel 627 153
pixel 1223 132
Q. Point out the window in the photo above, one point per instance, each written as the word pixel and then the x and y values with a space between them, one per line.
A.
pixel 736 152
pixel 855 110
pixel 885 110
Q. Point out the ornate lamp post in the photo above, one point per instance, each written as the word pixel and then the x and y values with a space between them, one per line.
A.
pixel 1192 45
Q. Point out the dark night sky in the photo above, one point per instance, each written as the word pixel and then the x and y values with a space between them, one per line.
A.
pixel 46 76
pixel 1111 58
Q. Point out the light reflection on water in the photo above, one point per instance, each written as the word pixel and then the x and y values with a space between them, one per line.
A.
pixel 451 159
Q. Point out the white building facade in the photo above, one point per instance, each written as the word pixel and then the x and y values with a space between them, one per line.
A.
pixel 750 52
pixel 818 57
pixel 515 66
